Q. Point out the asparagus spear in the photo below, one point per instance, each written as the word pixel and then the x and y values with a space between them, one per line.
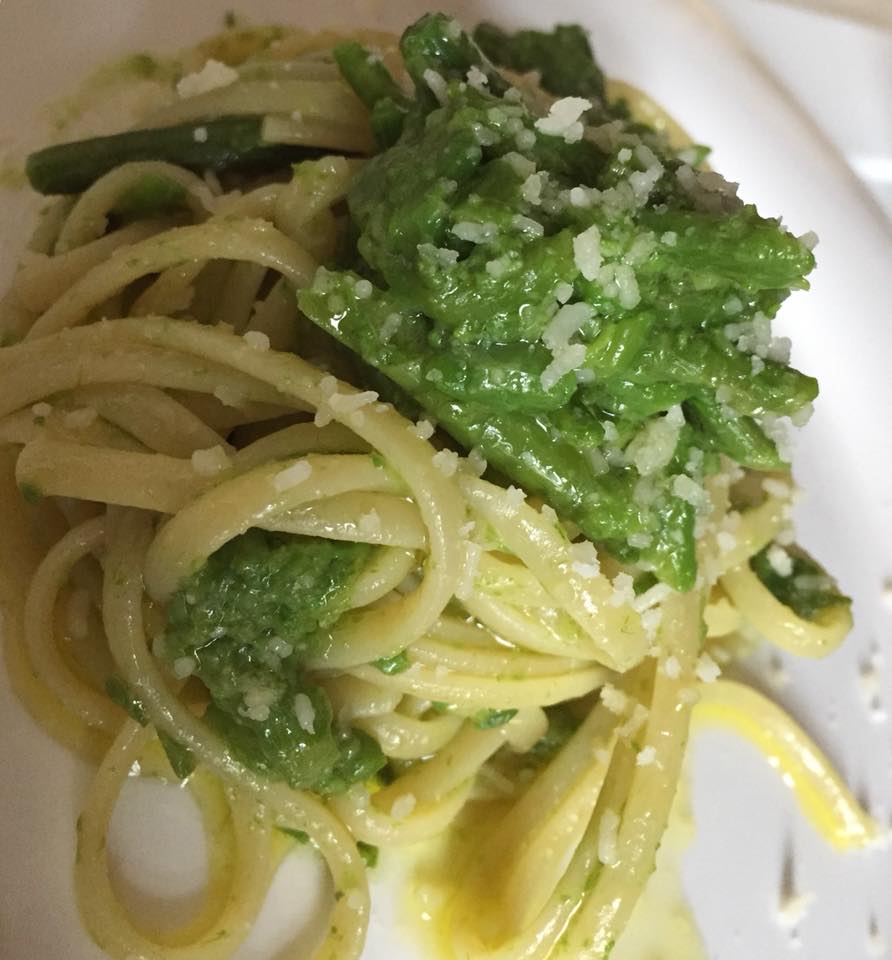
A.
pixel 226 143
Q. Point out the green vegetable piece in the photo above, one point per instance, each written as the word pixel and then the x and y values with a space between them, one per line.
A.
pixel 369 853
pixel 563 58
pixel 31 492
pixel 181 760
pixel 377 89
pixel 119 693
pixel 259 607
pixel 436 43
pixel 643 582
pixel 150 194
pixel 807 591
pixel 398 663
pixel 232 143
pixel 740 438
pixel 543 298
pixel 301 836
pixel 488 719
pixel 562 724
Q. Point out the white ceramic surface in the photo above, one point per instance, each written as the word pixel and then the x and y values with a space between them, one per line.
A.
pixel 684 56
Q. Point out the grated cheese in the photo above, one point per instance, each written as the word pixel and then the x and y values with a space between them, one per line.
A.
pixel 423 429
pixel 256 339
pixel 608 830
pixel 614 700
pixel 446 461
pixel 587 252
pixel 208 462
pixel 403 806
pixel 211 76
pixel 437 85
pixel 707 670
pixel 305 713
pixel 292 476
pixel 563 119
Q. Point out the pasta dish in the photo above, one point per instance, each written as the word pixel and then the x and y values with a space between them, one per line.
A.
pixel 393 437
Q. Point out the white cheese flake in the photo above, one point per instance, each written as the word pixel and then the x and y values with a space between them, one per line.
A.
pixel 446 461
pixel 211 461
pixel 563 119
pixel 183 667
pixel 477 78
pixel 585 559
pixel 363 289
pixel 569 319
pixel 437 85
pixel 608 830
pixel 256 339
pixel 292 476
pixel 646 757
pixel 565 360
pixel 403 806
pixel 587 252
pixel 779 560
pixel 423 429
pixel 350 402
pixel 707 670
pixel 531 190
pixel 305 713
pixel 475 232
pixel 256 702
pixel 211 76
pixel 651 449
pixel 614 700
pixel 672 668
pixel 623 590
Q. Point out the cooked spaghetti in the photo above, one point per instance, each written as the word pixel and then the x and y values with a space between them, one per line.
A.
pixel 385 435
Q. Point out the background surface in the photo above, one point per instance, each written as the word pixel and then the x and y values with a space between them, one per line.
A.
pixel 793 103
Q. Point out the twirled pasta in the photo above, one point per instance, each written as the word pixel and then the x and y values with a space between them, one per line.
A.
pixel 110 402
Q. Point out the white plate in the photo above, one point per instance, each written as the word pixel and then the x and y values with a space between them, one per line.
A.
pixel 683 56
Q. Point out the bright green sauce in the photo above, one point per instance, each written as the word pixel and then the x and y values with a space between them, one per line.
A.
pixel 244 624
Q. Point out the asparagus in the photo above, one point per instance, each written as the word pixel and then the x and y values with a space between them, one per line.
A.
pixel 225 143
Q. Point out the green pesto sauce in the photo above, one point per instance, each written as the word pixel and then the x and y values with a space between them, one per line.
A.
pixel 244 624
pixel 485 247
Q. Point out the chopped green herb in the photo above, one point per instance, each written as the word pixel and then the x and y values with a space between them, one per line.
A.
pixel 562 724
pixel 369 853
pixel 31 492
pixel 301 836
pixel 181 760
pixel 487 719
pixel 398 663
pixel 119 693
